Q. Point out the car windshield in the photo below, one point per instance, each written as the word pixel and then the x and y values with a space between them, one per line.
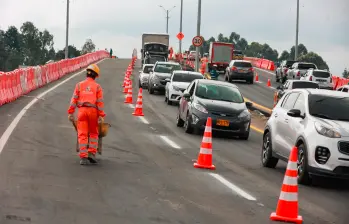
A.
pixel 321 74
pixel 305 85
pixel 185 77
pixel 329 107
pixel 167 68
pixel 219 92
pixel 306 66
pixel 147 69
pixel 242 64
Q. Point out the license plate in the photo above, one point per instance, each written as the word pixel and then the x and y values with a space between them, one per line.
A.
pixel 321 80
pixel 242 71
pixel 222 123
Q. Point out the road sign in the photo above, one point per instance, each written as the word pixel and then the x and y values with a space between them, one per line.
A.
pixel 180 36
pixel 198 41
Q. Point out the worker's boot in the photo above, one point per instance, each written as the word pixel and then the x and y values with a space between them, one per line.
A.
pixel 83 161
pixel 92 158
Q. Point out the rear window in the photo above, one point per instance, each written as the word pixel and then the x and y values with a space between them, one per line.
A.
pixel 184 77
pixel 306 66
pixel 147 69
pixel 237 52
pixel 329 107
pixel 167 68
pixel 242 64
pixel 321 74
pixel 305 85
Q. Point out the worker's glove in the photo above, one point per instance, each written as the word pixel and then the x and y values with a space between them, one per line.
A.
pixel 100 120
pixel 71 117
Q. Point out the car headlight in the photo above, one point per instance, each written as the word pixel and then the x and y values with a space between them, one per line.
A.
pixel 244 115
pixel 176 88
pixel 200 108
pixel 326 131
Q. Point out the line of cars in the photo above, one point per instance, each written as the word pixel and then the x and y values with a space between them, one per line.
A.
pixel 199 98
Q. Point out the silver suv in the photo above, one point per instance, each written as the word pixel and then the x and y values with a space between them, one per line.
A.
pixel 317 122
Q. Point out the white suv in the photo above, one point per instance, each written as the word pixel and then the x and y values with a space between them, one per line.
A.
pixel 317 122
pixel 322 77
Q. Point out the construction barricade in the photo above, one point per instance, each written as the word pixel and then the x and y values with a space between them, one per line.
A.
pixel 19 82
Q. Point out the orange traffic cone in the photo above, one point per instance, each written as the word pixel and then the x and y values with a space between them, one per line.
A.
pixel 205 156
pixel 129 93
pixel 287 208
pixel 257 78
pixel 268 83
pixel 139 105
pixel 125 79
pixel 126 85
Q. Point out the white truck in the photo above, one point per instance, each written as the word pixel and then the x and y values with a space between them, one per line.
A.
pixel 155 46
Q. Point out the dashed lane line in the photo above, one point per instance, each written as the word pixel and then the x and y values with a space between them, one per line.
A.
pixel 233 187
pixel 6 135
pixel 145 121
pixel 169 142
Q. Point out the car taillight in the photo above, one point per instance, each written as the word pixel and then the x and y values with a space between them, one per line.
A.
pixel 298 73
pixel 285 70
pixel 311 78
pixel 250 69
pixel 234 68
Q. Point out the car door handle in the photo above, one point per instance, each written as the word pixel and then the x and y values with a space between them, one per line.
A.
pixel 286 120
pixel 275 115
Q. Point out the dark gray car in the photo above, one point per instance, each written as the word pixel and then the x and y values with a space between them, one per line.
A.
pixel 239 70
pixel 221 101
pixel 161 71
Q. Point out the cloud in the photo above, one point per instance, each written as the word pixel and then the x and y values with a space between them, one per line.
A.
pixel 119 24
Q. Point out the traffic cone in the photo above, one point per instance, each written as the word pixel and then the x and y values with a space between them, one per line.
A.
pixel 268 83
pixel 125 79
pixel 126 86
pixel 139 105
pixel 205 156
pixel 257 78
pixel 287 208
pixel 129 93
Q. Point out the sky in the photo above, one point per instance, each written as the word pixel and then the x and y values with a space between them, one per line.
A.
pixel 119 24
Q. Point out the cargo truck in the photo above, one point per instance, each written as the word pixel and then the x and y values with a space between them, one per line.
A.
pixel 220 54
pixel 154 46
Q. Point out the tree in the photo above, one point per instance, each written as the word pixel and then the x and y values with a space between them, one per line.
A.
pixel 284 56
pixel 302 50
pixel 88 47
pixel 314 58
pixel 345 73
pixel 73 52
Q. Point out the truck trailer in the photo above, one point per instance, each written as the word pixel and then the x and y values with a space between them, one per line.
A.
pixel 220 54
pixel 155 46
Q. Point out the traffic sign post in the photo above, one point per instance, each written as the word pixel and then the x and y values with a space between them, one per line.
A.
pixel 198 41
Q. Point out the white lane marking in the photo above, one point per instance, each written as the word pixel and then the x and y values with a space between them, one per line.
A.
pixel 6 135
pixel 145 121
pixel 233 187
pixel 271 73
pixel 170 142
pixel 131 106
pixel 272 87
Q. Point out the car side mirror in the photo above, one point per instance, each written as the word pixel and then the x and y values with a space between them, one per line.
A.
pixel 294 113
pixel 167 80
pixel 186 95
pixel 248 104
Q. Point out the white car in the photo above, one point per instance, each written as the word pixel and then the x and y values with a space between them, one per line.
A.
pixel 321 77
pixel 317 122
pixel 144 75
pixel 344 88
pixel 177 83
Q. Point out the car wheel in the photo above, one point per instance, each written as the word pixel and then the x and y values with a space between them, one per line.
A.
pixel 251 81
pixel 267 157
pixel 180 122
pixel 139 84
pixel 277 78
pixel 150 89
pixel 302 165
pixel 187 126
pixel 169 102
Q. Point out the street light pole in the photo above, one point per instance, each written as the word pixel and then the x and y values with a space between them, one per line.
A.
pixel 167 15
pixel 181 27
pixel 67 32
pixel 297 30
pixel 197 63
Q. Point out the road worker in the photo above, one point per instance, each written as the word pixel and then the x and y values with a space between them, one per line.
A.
pixel 88 97
pixel 214 72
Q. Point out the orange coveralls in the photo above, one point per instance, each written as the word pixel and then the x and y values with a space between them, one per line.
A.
pixel 88 97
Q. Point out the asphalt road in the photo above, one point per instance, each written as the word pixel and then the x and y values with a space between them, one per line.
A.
pixel 259 92
pixel 145 174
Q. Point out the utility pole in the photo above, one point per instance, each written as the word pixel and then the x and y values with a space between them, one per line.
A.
pixel 197 62
pixel 67 32
pixel 167 15
pixel 297 31
pixel 181 27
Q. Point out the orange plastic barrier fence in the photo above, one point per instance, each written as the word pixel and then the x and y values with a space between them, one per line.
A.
pixel 19 82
